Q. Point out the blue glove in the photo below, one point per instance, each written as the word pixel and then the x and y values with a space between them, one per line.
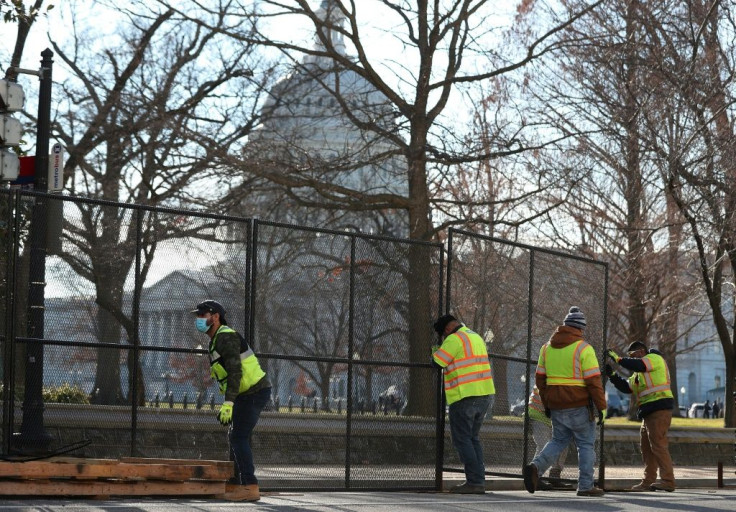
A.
pixel 225 416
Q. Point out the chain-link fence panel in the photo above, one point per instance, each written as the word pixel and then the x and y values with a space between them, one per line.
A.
pixel 352 314
pixel 10 238
pixel 515 296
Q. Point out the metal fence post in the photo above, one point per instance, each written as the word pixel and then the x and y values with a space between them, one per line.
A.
pixel 351 373
pixel 13 235
pixel 527 366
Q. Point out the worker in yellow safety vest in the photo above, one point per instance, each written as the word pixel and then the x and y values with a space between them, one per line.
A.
pixel 541 429
pixel 235 368
pixel 468 390
pixel 650 385
pixel 569 381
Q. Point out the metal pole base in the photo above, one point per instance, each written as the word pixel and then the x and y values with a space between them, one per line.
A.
pixel 30 444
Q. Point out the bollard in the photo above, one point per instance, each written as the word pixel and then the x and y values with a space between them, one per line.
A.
pixel 289 403
pixel 339 406
pixel 304 403
pixel 314 405
pixel 212 402
pixel 200 398
pixel 185 401
pixel 157 400
pixel 276 403
pixel 171 399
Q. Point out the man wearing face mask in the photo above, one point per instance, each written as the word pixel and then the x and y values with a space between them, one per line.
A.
pixel 235 367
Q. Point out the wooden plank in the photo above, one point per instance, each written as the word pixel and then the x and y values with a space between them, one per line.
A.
pixel 80 460
pixel 186 462
pixel 72 488
pixel 39 469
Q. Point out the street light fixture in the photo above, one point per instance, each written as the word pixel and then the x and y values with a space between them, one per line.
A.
pixel 682 401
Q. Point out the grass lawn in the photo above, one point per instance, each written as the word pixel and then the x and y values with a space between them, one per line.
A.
pixel 676 422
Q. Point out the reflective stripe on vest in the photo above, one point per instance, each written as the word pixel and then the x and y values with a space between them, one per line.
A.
pixel 467 371
pixel 535 402
pixel 653 384
pixel 249 365
pixel 536 408
pixel 563 366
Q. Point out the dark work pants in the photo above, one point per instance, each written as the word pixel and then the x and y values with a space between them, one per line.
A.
pixel 246 411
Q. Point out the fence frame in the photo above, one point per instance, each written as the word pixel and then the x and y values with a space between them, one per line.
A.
pixel 529 362
pixel 252 227
pixel 11 340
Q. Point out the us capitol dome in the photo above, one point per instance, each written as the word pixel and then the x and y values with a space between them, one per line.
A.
pixel 309 130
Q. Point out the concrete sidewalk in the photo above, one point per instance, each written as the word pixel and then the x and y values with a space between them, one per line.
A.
pixel 618 478
pixel 315 478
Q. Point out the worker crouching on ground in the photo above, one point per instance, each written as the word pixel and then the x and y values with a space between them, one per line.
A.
pixel 235 367
pixel 541 427
pixel 468 389
pixel 650 384
pixel 569 381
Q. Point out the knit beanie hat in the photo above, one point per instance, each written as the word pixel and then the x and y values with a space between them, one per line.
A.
pixel 575 318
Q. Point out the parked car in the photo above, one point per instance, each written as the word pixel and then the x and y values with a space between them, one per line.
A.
pixel 615 406
pixel 696 410
pixel 518 407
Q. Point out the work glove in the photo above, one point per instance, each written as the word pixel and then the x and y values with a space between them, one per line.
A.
pixel 225 416
pixel 435 348
pixel 609 371
pixel 548 412
pixel 601 416
pixel 613 355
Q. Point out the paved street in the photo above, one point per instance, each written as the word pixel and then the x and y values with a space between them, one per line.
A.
pixel 688 500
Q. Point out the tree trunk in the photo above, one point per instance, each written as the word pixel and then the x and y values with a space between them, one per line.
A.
pixel 107 388
pixel 421 336
pixel 633 189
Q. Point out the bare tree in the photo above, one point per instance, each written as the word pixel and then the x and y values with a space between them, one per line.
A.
pixel 619 209
pixel 141 117
pixel 445 49
pixel 695 66
pixel 24 16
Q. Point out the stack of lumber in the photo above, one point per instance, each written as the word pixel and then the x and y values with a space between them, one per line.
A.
pixel 68 476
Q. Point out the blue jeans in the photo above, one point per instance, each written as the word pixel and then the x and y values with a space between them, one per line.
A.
pixel 246 411
pixel 568 424
pixel 466 418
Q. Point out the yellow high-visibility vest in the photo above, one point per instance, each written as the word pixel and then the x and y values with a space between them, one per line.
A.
pixel 251 368
pixel 568 366
pixel 467 370
pixel 653 384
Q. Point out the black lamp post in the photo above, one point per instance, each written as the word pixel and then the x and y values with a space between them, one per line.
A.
pixel 33 437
